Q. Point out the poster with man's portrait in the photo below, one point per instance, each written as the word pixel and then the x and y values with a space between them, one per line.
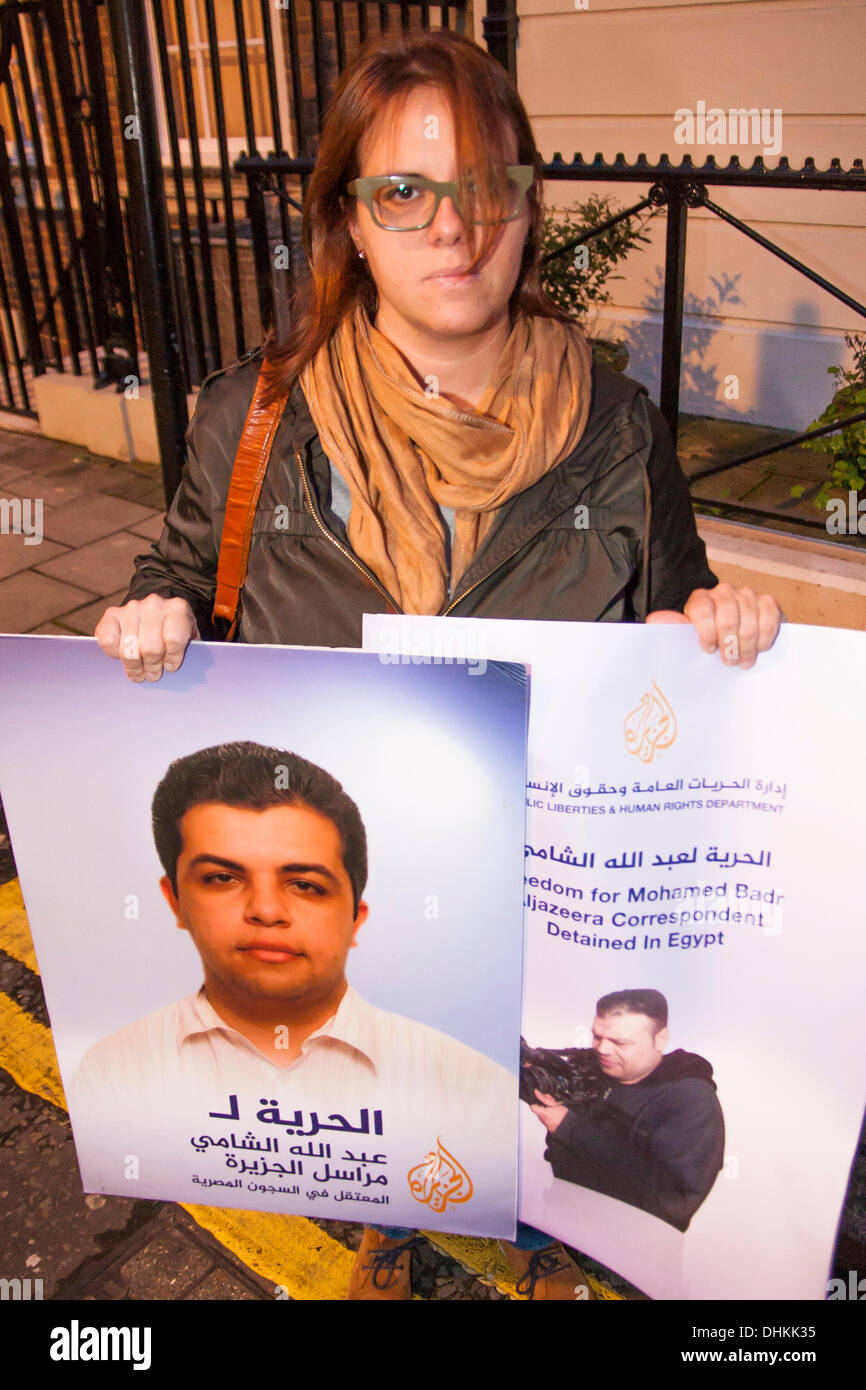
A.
pixel 275 900
pixel 692 1078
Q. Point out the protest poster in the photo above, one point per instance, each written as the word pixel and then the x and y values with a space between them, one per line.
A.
pixel 207 802
pixel 695 944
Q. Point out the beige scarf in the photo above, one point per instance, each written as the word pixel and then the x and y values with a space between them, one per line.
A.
pixel 399 449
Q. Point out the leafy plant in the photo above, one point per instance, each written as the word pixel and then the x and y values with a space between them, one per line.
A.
pixel 847 448
pixel 578 279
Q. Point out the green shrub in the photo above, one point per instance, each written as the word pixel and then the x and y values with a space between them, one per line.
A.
pixel 847 447
pixel 577 280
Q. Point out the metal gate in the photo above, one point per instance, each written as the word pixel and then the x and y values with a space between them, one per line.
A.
pixel 211 82
pixel 253 78
pixel 125 222
pixel 65 295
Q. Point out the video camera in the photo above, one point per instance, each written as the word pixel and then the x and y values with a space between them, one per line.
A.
pixel 571 1075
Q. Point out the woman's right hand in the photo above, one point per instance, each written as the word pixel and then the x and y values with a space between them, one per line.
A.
pixel 148 635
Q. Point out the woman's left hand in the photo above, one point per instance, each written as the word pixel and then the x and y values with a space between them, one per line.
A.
pixel 736 622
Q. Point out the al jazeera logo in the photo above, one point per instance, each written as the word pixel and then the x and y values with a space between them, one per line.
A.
pixel 439 1179
pixel 651 726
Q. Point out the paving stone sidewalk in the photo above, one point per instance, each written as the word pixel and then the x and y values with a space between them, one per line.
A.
pixel 97 515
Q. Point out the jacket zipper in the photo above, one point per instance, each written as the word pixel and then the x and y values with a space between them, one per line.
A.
pixel 366 573
pixel 461 597
pixel 333 539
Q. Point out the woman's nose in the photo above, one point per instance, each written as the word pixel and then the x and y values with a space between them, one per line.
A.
pixel 447 221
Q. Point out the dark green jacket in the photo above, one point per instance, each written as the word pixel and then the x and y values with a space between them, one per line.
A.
pixel 629 548
pixel 658 1144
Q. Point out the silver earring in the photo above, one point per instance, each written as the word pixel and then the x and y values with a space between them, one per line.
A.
pixel 361 254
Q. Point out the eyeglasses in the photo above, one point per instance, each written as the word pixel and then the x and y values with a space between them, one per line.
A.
pixel 408 202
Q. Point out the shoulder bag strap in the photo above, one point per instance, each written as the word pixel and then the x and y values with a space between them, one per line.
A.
pixel 250 466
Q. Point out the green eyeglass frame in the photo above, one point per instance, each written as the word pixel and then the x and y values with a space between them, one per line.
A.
pixel 521 174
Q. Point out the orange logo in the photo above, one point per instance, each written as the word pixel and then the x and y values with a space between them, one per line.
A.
pixel 651 726
pixel 439 1179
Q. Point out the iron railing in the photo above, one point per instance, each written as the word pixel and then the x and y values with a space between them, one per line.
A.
pixel 677 188
pixel 64 284
pixel 204 283
pixel 204 223
pixel 680 188
pixel 213 218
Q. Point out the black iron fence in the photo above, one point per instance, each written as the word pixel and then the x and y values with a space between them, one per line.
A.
pixel 65 297
pixel 275 171
pixel 90 272
pixel 287 59
pixel 257 79
pixel 217 111
pixel 679 188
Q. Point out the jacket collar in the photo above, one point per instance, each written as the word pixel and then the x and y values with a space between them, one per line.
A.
pixel 611 418
pixel 612 434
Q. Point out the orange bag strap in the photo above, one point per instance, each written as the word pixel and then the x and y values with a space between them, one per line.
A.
pixel 248 473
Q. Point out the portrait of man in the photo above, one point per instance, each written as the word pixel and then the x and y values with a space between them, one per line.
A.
pixel 265 867
pixel 655 1138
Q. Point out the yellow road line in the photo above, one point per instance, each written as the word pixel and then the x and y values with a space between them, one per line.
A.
pixel 478 1256
pixel 27 1053
pixel 604 1292
pixel 15 937
pixel 286 1250
pixel 485 1260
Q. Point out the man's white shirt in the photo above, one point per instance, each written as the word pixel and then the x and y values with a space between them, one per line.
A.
pixel 142 1096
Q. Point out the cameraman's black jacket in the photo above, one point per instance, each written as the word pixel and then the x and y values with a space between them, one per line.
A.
pixel 657 1144
pixel 633 549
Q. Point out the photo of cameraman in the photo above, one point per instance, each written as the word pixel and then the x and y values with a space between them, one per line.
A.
pixel 624 1118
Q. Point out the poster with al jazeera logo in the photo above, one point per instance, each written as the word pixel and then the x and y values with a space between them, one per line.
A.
pixel 280 947
pixel 692 1079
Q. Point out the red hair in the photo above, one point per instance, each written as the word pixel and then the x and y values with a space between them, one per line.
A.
pixel 484 103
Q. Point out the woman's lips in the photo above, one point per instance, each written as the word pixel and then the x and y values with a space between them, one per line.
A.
pixel 446 278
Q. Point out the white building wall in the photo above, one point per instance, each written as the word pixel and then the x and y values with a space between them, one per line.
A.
pixel 609 78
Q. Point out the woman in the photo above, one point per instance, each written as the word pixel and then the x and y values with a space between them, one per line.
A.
pixel 447 444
